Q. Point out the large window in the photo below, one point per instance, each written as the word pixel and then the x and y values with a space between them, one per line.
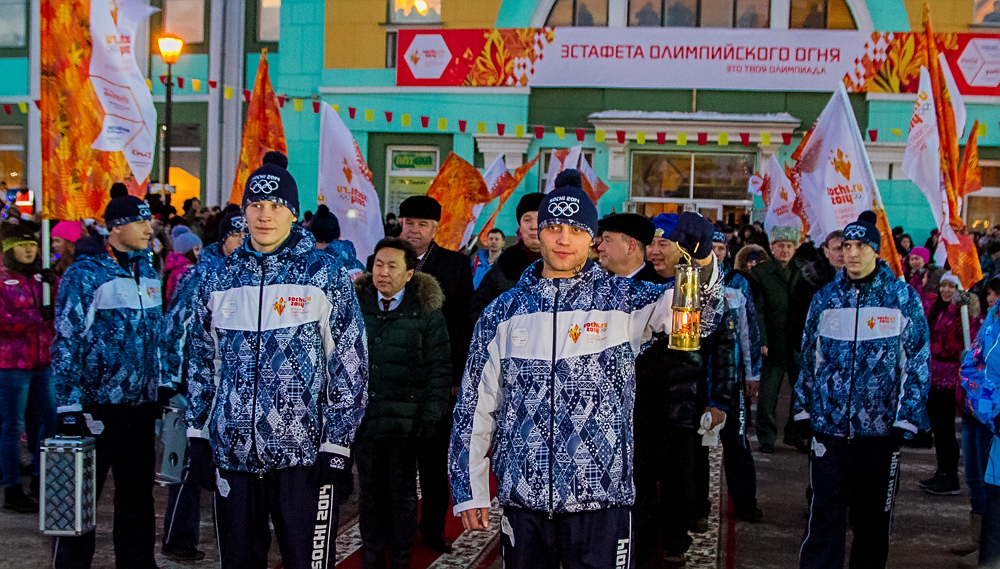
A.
pixel 13 23
pixel 12 156
pixel 185 19
pixel 986 12
pixel 584 13
pixel 821 14
pixel 700 13
pixel 692 176
pixel 268 20
pixel 415 11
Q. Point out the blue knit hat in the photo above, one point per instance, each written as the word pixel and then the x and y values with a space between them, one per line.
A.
pixel 177 231
pixel 567 204
pixel 665 224
pixel 272 183
pixel 865 229
pixel 185 242
pixel 718 237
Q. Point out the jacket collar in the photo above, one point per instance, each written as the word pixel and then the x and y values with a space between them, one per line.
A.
pixel 299 242
pixel 883 276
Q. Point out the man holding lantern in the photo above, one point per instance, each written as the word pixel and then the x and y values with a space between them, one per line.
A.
pixel 550 385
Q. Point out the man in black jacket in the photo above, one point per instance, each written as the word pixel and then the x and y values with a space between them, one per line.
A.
pixel 513 261
pixel 408 394
pixel 419 217
pixel 673 390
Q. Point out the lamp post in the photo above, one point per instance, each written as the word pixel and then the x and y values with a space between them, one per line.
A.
pixel 170 51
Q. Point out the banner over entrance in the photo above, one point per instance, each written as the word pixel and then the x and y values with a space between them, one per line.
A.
pixel 690 58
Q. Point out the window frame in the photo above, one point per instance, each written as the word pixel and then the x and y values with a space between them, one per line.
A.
pixel 389 11
pixel 156 28
pixel 251 39
pixel 608 15
pixel 826 17
pixel 22 50
pixel 690 199
pixel 698 13
pixel 392 172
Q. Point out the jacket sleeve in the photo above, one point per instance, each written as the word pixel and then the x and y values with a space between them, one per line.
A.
pixel 982 390
pixel 18 321
pixel 437 354
pixel 489 289
pixel 202 367
pixel 761 306
pixel 807 361
pixel 175 328
pixel 474 418
pixel 722 379
pixel 915 375
pixel 753 328
pixel 72 318
pixel 347 367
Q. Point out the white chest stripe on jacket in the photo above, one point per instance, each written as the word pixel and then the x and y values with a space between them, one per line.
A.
pixel 580 333
pixel 874 322
pixel 124 293
pixel 284 306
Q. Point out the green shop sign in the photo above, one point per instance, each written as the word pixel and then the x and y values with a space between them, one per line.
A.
pixel 414 160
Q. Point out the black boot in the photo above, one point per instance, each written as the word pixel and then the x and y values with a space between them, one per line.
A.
pixel 16 500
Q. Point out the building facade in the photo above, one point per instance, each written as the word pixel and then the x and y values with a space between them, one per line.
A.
pixel 346 52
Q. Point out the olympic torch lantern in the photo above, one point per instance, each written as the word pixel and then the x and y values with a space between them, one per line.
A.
pixel 685 331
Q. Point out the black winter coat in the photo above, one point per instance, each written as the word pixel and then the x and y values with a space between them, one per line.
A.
pixel 672 386
pixel 504 274
pixel 451 269
pixel 409 381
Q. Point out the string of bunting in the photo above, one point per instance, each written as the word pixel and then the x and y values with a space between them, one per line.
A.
pixel 481 127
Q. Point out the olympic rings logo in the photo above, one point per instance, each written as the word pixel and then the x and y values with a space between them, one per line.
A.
pixel 564 208
pixel 239 222
pixel 144 211
pixel 263 185
pixel 854 232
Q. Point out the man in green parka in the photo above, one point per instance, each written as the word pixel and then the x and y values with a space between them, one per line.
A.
pixel 408 389
pixel 773 282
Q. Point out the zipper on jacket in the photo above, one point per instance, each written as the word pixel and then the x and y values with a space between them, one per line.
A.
pixel 552 400
pixel 854 352
pixel 256 363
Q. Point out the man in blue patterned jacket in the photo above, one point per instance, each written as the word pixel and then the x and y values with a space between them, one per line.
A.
pixel 182 516
pixel 106 363
pixel 862 389
pixel 278 377
pixel 550 385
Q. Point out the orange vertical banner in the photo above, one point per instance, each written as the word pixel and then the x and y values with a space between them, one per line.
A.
pixel 76 176
pixel 510 183
pixel 958 178
pixel 262 132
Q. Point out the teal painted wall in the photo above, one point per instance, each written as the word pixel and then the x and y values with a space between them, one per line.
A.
pixel 888 15
pixel 15 72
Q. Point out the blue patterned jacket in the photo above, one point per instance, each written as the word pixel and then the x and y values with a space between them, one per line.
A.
pixel 107 332
pixel 981 382
pixel 278 365
pixel 550 386
pixel 180 309
pixel 739 300
pixel 865 353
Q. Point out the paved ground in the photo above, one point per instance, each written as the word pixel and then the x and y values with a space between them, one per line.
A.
pixel 924 526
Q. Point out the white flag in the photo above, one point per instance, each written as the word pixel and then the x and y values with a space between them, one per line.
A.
pixel 345 184
pixel 491 176
pixel 922 161
pixel 837 182
pixel 562 158
pixel 779 197
pixel 129 114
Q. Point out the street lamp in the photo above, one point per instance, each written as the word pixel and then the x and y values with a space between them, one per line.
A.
pixel 170 51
